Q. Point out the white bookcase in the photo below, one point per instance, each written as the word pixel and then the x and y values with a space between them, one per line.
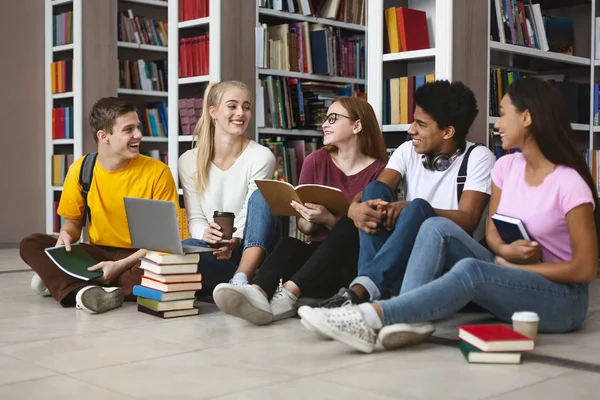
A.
pixel 275 17
pixel 177 143
pixel 435 60
pixel 581 67
pixel 71 99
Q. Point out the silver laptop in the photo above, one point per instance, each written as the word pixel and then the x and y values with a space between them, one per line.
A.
pixel 153 226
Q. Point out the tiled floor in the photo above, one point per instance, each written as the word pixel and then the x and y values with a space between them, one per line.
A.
pixel 50 352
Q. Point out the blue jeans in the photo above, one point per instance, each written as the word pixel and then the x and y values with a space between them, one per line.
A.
pixel 261 230
pixel 383 256
pixel 448 269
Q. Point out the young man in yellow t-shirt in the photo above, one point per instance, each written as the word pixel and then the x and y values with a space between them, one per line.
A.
pixel 120 171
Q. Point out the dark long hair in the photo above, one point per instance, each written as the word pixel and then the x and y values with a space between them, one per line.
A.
pixel 551 129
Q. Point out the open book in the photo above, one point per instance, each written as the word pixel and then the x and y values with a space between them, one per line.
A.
pixel 75 262
pixel 510 229
pixel 280 194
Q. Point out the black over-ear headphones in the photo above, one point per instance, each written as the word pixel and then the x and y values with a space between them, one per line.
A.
pixel 441 162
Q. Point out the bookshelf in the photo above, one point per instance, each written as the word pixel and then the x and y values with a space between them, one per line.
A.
pixel 63 43
pixel 454 53
pixel 142 53
pixel 276 70
pixel 530 59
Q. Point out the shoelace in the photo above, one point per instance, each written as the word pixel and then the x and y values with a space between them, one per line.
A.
pixel 238 283
pixel 279 292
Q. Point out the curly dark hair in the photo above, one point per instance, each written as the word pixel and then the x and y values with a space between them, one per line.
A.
pixel 449 104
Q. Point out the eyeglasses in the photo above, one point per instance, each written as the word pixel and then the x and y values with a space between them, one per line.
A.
pixel 331 118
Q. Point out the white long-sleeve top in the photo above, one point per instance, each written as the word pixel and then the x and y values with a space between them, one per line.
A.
pixel 226 190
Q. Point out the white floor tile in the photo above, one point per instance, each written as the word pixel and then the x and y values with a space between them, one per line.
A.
pixel 13 370
pixel 576 386
pixel 58 388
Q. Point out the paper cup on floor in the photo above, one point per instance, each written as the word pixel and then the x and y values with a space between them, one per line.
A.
pixel 526 323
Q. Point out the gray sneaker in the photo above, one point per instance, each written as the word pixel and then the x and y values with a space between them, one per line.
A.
pixel 98 299
pixel 283 303
pixel 401 335
pixel 38 286
pixel 243 301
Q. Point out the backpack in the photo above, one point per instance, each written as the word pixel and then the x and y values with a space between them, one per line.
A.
pixel 462 172
pixel 86 174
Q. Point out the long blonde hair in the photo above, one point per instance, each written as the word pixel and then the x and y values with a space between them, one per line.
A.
pixel 205 129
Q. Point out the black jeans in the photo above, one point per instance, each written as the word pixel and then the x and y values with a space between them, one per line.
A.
pixel 319 269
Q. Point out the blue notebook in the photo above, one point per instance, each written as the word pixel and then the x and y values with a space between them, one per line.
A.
pixel 510 229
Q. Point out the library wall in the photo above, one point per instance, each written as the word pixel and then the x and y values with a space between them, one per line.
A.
pixel 22 116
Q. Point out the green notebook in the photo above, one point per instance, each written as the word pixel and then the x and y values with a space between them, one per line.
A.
pixel 74 262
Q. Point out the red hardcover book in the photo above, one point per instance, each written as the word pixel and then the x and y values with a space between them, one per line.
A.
pixel 412 27
pixel 495 338
pixel 411 101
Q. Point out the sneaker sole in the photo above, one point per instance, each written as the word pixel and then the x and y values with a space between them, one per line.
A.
pixel 400 335
pixel 285 315
pixel 236 304
pixel 317 323
pixel 308 326
pixel 97 301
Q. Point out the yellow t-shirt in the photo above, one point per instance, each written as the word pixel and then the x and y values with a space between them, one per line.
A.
pixel 143 177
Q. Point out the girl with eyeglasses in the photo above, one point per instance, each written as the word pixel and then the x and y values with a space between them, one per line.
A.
pixel 353 155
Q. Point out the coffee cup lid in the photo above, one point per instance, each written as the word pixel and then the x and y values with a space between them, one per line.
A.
pixel 223 214
pixel 526 316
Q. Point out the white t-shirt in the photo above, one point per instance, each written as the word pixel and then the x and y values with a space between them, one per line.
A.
pixel 226 190
pixel 439 188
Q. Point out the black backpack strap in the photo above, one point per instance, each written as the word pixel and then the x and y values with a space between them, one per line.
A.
pixel 86 174
pixel 462 172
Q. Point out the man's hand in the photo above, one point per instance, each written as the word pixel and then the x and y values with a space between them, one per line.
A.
pixel 225 252
pixel 391 213
pixel 64 239
pixel 314 213
pixel 521 252
pixel 110 270
pixel 367 215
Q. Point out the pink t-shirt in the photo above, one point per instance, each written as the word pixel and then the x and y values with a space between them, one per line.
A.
pixel 319 168
pixel 543 209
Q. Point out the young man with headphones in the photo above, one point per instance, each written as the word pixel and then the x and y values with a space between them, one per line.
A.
pixel 428 167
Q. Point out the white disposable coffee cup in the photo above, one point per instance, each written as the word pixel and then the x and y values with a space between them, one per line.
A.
pixel 526 323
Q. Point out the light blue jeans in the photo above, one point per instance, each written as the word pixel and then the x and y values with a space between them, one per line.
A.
pixel 448 268
pixel 261 230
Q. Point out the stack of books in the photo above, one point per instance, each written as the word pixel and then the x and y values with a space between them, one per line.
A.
pixel 492 344
pixel 168 284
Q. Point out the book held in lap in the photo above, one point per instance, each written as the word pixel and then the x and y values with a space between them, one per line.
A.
pixel 279 195
pixel 75 262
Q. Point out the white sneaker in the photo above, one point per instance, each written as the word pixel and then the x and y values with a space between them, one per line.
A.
pixel 283 303
pixel 98 299
pixel 401 335
pixel 243 301
pixel 38 286
pixel 344 324
pixel 303 311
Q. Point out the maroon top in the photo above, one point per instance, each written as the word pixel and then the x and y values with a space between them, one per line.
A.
pixel 319 168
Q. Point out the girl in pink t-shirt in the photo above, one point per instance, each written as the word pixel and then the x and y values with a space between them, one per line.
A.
pixel 550 188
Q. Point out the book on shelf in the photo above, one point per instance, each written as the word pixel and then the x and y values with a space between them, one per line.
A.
pixel 280 194
pixel 141 30
pixel 62 29
pixel 193 9
pixel 75 262
pixel 349 11
pixel 406 29
pixel 143 75
pixel 153 294
pixel 62 123
pixel 154 119
pixel 190 112
pixel 60 167
pixel 194 56
pixel 168 258
pixel 510 229
pixel 495 337
pixel 168 314
pixel 311 49
pixel 473 355
pixel 398 98
pixel 61 76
